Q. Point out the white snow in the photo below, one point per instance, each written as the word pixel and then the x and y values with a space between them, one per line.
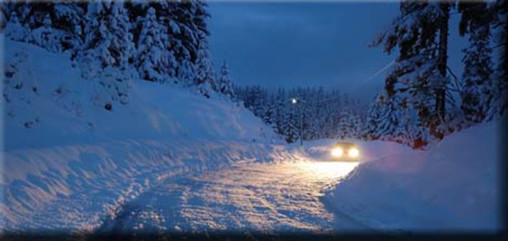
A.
pixel 64 109
pixel 68 163
pixel 452 186
pixel 268 198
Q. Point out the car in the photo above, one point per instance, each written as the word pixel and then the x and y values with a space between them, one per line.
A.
pixel 345 151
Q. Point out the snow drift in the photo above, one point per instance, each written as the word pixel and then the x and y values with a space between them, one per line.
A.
pixel 453 186
pixel 69 163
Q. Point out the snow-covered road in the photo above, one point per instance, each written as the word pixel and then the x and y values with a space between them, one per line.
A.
pixel 248 197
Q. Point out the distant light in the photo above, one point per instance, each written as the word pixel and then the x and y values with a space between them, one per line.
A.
pixel 353 152
pixel 337 152
pixel 294 101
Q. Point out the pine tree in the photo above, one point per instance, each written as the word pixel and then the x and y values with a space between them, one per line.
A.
pixel 59 20
pixel 3 16
pixel 184 32
pixel 441 81
pixel 499 12
pixel 69 18
pixel 373 119
pixel 191 17
pixel 152 63
pixel 344 125
pixel 14 30
pixel 224 82
pixel 412 132
pixel 269 111
pixel 421 34
pixel 390 120
pixel 290 125
pixel 321 116
pixel 477 94
pixel 108 47
pixel 108 41
pixel 47 37
pixel 281 105
pixel 168 38
pixel 205 76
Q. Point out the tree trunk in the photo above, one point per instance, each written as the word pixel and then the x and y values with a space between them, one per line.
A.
pixel 442 60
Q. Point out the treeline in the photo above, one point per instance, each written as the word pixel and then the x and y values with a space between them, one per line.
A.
pixel 423 100
pixel 316 112
pixel 115 42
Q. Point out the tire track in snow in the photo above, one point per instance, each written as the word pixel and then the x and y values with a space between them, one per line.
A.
pixel 247 197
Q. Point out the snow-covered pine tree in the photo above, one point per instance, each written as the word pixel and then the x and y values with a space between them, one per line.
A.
pixel 191 16
pixel 152 61
pixel 290 125
pixel 344 125
pixel 69 18
pixel 412 132
pixel 269 115
pixel 374 118
pixel 224 81
pixel 349 124
pixel 204 78
pixel 3 16
pixel 281 114
pixel 440 81
pixel 419 75
pixel 107 50
pixel 61 20
pixel 320 114
pixel 390 120
pixel 108 41
pixel 257 100
pixel 357 125
pixel 478 85
pixel 82 26
pixel 499 12
pixel 47 37
pixel 312 131
pixel 203 62
pixel 14 30
pixel 184 32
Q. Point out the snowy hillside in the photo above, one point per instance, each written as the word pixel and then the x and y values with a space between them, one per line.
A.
pixel 64 153
pixel 51 102
pixel 451 186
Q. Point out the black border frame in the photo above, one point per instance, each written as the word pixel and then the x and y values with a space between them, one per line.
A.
pixel 501 234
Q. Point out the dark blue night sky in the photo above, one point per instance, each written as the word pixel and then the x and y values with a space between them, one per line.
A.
pixel 302 43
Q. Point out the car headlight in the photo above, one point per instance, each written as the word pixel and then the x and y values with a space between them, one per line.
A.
pixel 337 152
pixel 353 152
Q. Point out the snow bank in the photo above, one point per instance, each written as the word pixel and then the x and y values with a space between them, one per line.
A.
pixel 48 103
pixel 453 186
pixel 68 162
